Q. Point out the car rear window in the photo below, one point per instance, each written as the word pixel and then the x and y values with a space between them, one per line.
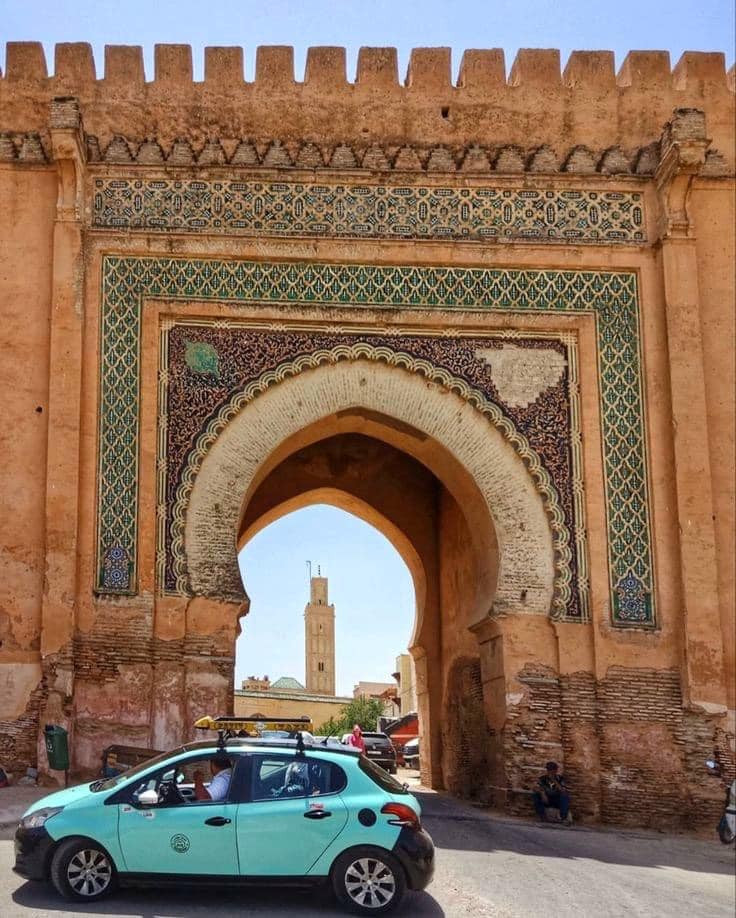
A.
pixel 380 777
pixel 377 739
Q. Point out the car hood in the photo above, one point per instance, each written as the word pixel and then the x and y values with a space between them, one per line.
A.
pixel 61 798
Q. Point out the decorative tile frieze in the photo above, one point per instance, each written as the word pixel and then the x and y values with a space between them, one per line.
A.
pixel 610 296
pixel 369 211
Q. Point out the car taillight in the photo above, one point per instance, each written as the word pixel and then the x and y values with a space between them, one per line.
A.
pixel 403 815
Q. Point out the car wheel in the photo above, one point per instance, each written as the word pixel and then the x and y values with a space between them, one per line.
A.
pixel 368 881
pixel 82 870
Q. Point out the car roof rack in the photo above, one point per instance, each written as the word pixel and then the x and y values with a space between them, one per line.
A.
pixel 230 727
pixel 297 743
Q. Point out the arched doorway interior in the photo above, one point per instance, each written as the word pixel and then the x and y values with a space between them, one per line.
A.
pixel 413 458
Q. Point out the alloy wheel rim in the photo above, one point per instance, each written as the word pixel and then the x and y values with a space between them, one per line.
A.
pixel 89 872
pixel 370 883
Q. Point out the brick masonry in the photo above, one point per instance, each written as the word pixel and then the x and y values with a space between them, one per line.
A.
pixel 632 753
pixel 465 734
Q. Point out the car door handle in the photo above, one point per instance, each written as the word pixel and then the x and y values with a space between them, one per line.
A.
pixel 317 814
pixel 217 821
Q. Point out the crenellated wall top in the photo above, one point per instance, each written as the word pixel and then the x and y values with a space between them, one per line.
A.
pixel 539 103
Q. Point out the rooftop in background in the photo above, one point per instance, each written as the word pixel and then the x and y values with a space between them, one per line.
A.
pixel 374 689
pixel 287 684
pixel 300 695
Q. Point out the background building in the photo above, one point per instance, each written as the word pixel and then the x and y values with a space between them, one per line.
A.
pixel 285 702
pixel 319 639
pixel 255 684
pixel 384 691
pixel 404 675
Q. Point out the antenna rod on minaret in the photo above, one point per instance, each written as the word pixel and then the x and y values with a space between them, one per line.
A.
pixel 319 571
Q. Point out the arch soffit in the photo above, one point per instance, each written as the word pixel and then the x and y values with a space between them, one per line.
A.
pixel 480 533
pixel 227 456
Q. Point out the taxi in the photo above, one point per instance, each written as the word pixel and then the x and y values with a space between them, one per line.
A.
pixel 293 811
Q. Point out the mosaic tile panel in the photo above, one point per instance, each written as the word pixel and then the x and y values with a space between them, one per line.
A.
pixel 329 210
pixel 208 363
pixel 610 296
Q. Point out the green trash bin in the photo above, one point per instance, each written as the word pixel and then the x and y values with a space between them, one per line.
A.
pixel 57 747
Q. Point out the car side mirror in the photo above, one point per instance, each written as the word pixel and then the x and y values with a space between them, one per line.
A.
pixel 148 798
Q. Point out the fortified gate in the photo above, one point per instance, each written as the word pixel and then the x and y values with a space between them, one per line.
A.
pixel 492 318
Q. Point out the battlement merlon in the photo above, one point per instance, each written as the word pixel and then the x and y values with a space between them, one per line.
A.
pixel 587 103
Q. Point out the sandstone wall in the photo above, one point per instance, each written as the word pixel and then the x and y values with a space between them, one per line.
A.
pixel 319 711
pixel 585 117
pixel 27 201
pixel 715 220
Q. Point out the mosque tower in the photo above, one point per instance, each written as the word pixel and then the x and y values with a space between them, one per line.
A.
pixel 319 639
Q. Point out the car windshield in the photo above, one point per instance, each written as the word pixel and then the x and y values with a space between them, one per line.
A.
pixel 108 783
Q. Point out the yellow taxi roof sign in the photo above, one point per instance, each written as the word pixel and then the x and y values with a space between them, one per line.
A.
pixel 251 724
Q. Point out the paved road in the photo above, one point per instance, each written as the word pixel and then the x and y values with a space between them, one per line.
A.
pixel 486 866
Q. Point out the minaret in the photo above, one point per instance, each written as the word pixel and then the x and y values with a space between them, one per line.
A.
pixel 319 640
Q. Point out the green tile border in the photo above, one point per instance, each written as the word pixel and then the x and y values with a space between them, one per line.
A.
pixel 610 296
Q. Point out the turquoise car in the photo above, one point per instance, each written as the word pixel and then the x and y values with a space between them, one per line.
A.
pixel 291 813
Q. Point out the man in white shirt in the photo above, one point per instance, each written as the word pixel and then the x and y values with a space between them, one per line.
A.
pixel 222 771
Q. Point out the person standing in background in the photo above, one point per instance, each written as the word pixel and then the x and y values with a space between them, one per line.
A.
pixel 355 740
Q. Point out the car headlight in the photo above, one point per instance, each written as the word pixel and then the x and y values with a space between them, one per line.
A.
pixel 36 819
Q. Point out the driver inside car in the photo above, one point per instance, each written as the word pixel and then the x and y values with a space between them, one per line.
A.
pixel 222 771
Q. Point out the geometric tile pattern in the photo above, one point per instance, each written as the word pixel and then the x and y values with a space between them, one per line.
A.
pixel 367 211
pixel 610 296
pixel 211 367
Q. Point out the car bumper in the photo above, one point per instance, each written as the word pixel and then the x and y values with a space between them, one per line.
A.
pixel 415 851
pixel 32 850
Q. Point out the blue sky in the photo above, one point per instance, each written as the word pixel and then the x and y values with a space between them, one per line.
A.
pixel 675 25
pixel 369 584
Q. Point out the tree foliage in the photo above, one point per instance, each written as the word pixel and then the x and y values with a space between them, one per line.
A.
pixel 362 711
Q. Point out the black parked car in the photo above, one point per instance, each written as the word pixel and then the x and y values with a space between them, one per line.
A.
pixel 379 749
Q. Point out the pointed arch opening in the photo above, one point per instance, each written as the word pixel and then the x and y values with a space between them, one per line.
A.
pixel 418 461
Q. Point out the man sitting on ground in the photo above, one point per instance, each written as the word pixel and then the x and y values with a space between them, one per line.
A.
pixel 552 791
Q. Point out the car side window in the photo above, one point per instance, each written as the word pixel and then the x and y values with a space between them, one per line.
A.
pixel 174 783
pixel 278 777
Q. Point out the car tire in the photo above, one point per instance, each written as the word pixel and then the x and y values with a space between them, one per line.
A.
pixel 82 870
pixel 379 870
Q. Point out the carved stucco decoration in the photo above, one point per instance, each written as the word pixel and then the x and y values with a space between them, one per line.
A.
pixel 522 375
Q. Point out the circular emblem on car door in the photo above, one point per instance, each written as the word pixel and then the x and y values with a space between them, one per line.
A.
pixel 180 843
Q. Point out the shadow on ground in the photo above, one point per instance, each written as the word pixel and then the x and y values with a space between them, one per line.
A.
pixel 457 825
pixel 153 903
